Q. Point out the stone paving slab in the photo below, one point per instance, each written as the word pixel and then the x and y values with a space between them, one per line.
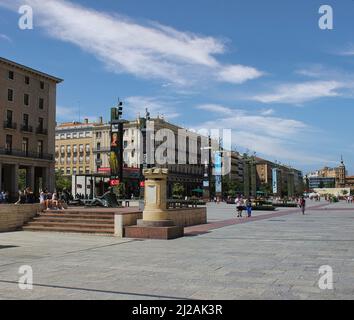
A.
pixel 261 259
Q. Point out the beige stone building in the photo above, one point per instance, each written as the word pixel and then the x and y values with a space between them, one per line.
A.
pixel 74 148
pixel 27 127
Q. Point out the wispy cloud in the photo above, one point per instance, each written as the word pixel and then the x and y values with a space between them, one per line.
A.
pixel 150 50
pixel 157 106
pixel 5 37
pixel 216 108
pixel 297 93
pixel 70 114
pixel 270 136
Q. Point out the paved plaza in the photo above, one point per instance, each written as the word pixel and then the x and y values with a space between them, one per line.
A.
pixel 273 256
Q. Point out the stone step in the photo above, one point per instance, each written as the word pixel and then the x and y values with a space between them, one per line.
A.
pixel 109 231
pixel 71 225
pixel 73 220
pixel 77 216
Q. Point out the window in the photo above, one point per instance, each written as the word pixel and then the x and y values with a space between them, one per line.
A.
pixel 81 148
pixel 40 124
pixel 25 120
pixel 81 159
pixel 62 149
pixel 68 136
pixel 68 149
pixel 8 143
pixel 98 135
pixel 11 75
pixel 74 160
pixel 25 146
pixel 40 147
pixel 98 146
pixel 27 80
pixel 74 171
pixel 81 170
pixel 9 114
pixel 41 103
pixel 26 99
pixel 87 159
pixel 87 148
pixel 75 148
pixel 68 171
pixel 87 134
pixel 41 85
pixel 10 95
pixel 81 135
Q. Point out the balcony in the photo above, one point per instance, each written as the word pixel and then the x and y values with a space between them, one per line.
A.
pixel 42 131
pixel 10 125
pixel 26 128
pixel 26 154
pixel 101 150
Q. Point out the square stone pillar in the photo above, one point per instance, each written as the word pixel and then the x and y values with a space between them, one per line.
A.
pixel 155 223
pixel 14 182
pixel 30 177
pixel 0 176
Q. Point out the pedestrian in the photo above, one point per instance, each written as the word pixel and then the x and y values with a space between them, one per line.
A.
pixel 303 205
pixel 239 206
pixel 249 208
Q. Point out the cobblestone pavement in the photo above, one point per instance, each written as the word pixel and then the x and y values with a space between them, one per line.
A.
pixel 275 256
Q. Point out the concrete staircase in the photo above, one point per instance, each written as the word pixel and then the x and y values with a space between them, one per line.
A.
pixel 73 221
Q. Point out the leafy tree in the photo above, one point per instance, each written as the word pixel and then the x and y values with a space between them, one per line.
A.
pixel 120 190
pixel 178 191
pixel 62 182
pixel 345 192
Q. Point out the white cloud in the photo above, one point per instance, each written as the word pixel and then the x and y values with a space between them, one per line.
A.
pixel 156 105
pixel 272 137
pixel 67 114
pixel 267 112
pixel 298 93
pixel 238 74
pixel 150 51
pixel 216 109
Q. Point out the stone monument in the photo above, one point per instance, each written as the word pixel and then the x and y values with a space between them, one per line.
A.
pixel 155 223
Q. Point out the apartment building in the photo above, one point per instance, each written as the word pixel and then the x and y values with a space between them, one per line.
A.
pixel 74 148
pixel 27 127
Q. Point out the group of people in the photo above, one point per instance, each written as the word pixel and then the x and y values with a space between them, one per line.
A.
pixel 4 197
pixel 52 201
pixel 241 205
pixel 26 196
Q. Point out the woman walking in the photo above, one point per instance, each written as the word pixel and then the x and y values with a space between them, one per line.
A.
pixel 239 206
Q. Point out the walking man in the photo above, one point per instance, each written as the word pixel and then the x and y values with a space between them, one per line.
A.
pixel 303 205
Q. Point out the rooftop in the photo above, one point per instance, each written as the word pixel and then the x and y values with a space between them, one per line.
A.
pixel 28 69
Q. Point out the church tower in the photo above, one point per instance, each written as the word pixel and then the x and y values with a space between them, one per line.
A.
pixel 341 182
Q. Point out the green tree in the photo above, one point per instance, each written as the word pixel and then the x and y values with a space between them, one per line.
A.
pixel 345 192
pixel 62 182
pixel 177 191
pixel 120 190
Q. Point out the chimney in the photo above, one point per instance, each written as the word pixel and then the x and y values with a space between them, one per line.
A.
pixel 100 120
pixel 86 121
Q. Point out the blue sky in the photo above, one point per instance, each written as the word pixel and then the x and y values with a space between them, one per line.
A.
pixel 261 68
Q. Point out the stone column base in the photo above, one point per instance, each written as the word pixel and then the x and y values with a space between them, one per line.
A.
pixel 160 230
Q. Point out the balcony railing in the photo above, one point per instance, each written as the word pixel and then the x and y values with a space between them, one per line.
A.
pixel 10 125
pixel 101 150
pixel 26 128
pixel 26 154
pixel 41 130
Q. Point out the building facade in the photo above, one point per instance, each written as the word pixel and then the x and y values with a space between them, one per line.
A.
pixel 27 128
pixel 74 148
